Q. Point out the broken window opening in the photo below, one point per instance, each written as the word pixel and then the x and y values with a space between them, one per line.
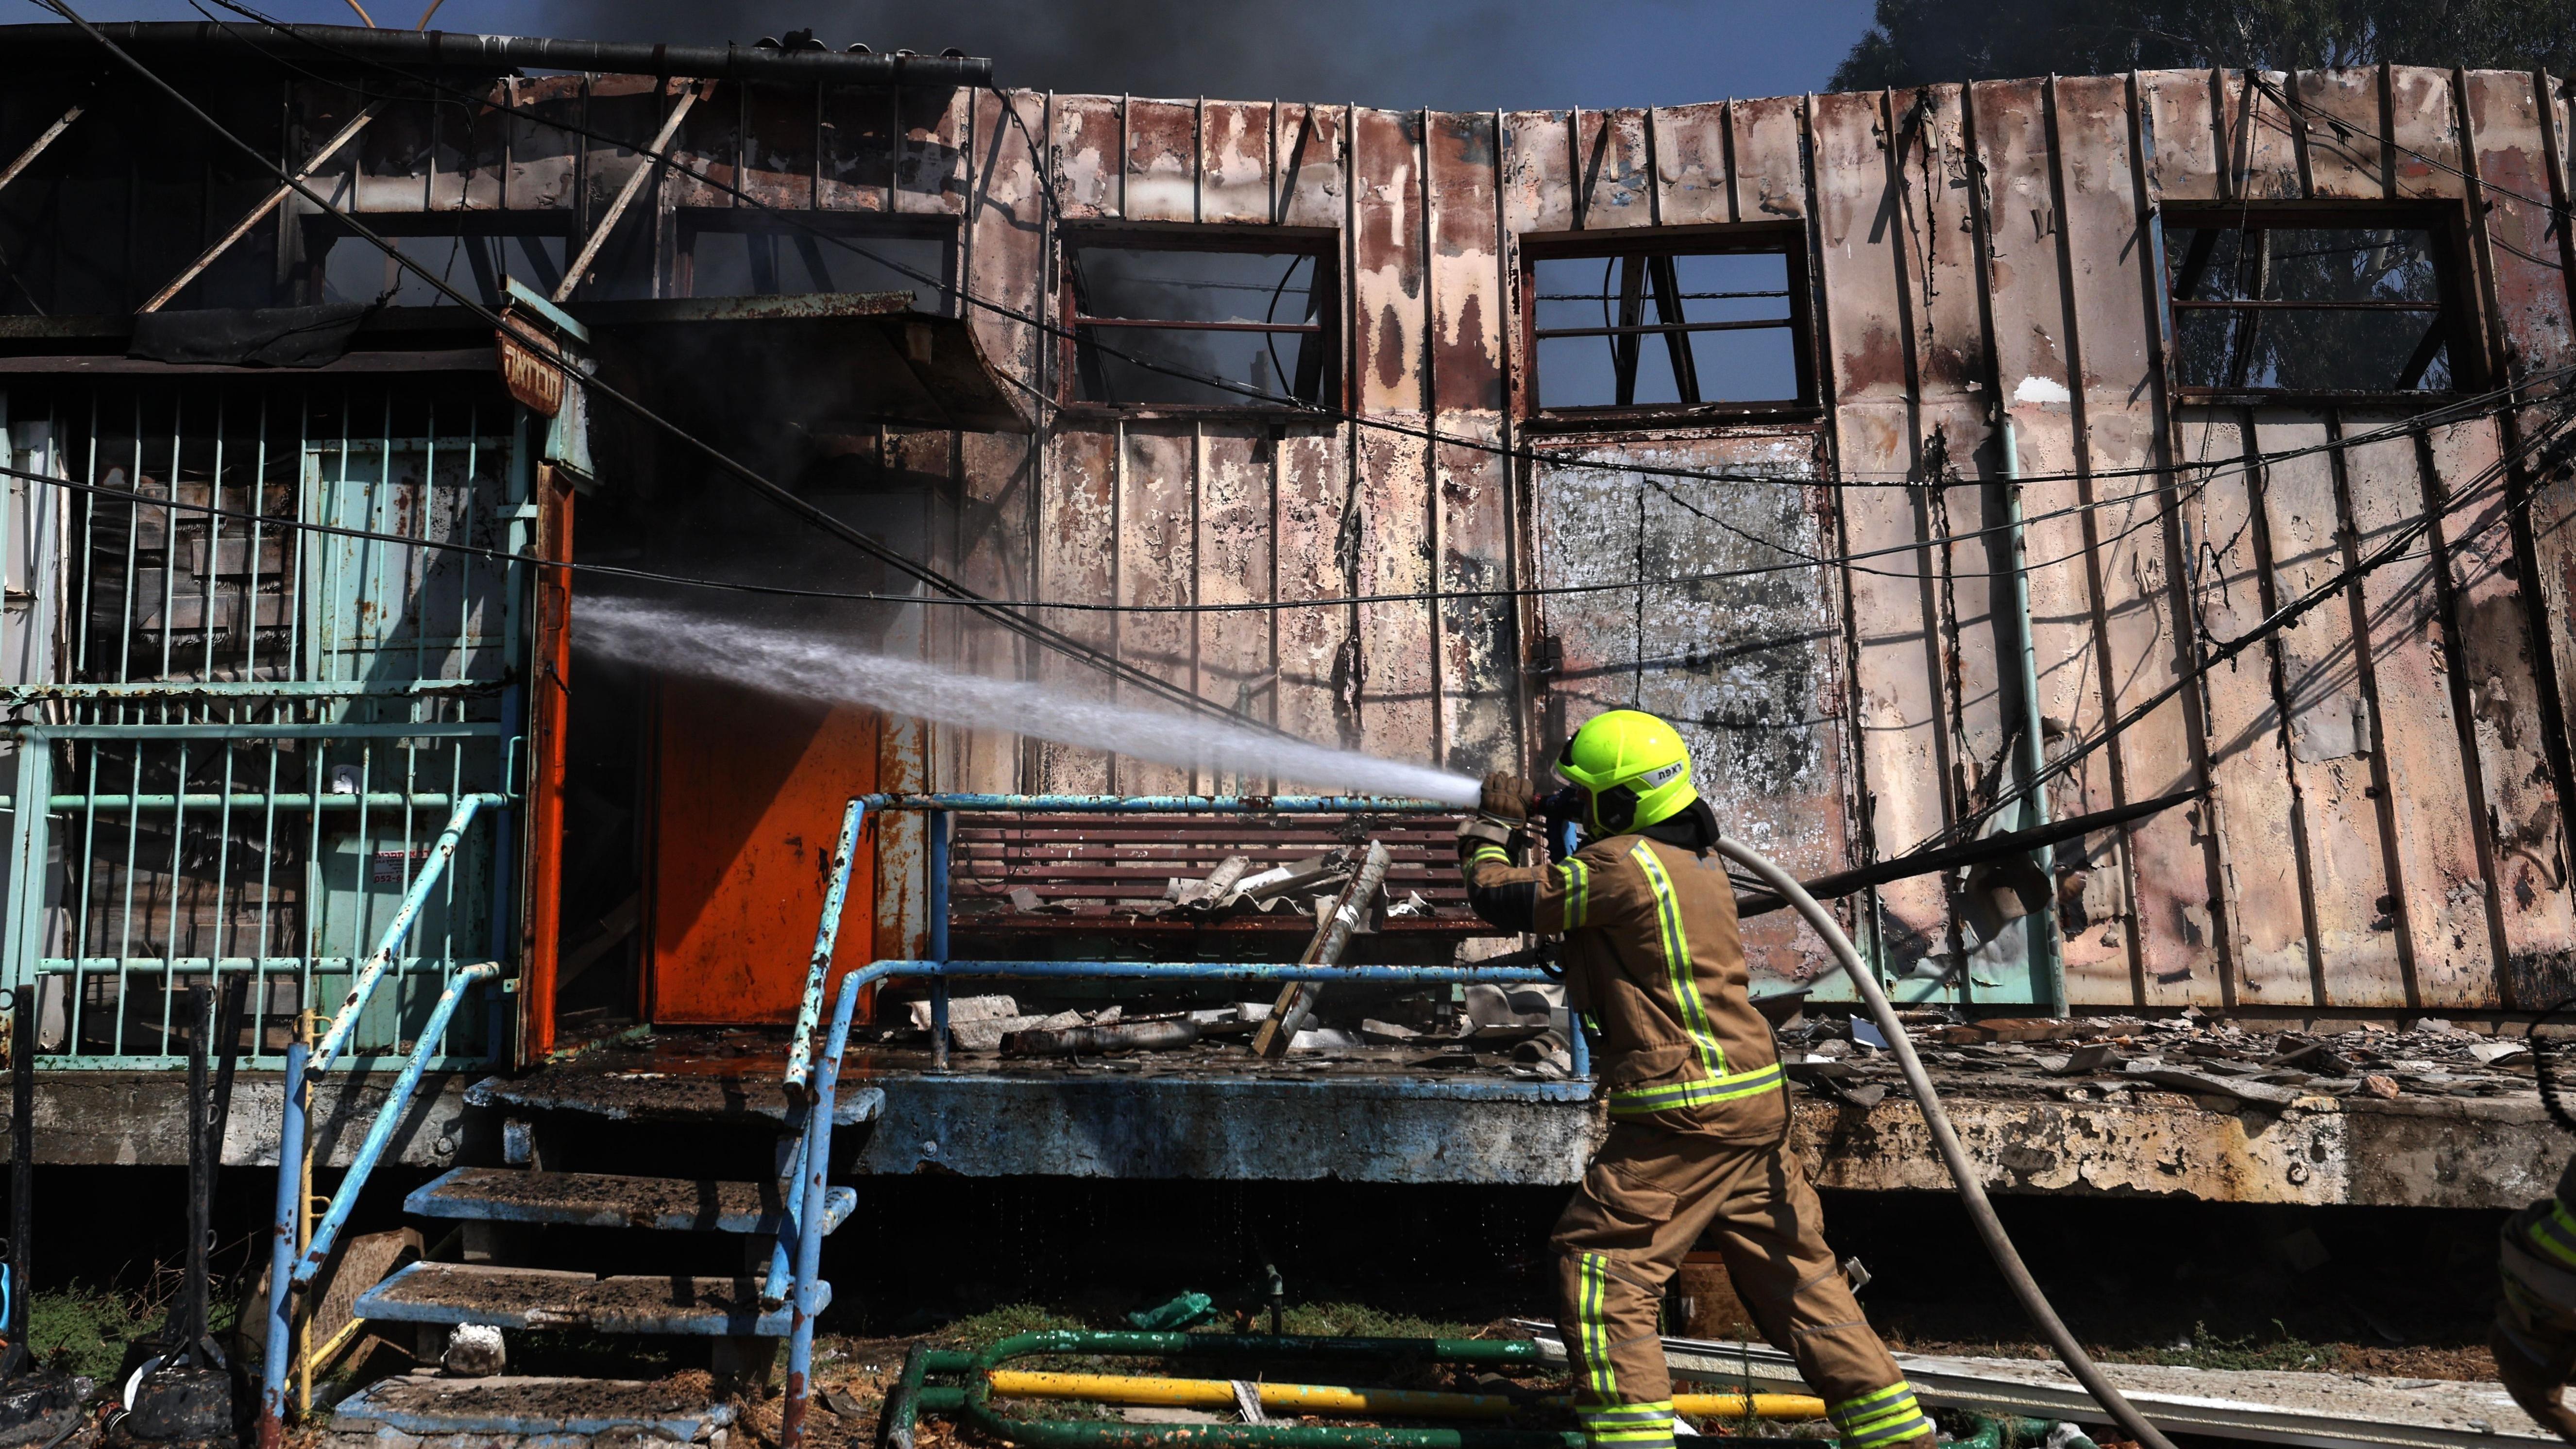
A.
pixel 2274 303
pixel 1171 321
pixel 1650 325
pixel 474 256
pixel 744 253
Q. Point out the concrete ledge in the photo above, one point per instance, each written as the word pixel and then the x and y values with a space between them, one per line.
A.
pixel 140 1119
pixel 1358 1129
pixel 2322 1151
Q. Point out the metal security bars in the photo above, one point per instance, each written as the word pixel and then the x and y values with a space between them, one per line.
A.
pixel 246 736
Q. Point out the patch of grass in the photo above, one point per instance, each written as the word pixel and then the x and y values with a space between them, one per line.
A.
pixel 2279 1351
pixel 977 1330
pixel 84 1330
pixel 1361 1320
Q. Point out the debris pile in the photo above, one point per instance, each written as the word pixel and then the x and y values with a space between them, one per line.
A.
pixel 2112 1058
pixel 1519 1030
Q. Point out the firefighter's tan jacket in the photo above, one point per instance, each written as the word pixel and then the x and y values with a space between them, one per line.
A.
pixel 1652 957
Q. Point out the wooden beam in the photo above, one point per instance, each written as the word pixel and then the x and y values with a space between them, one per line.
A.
pixel 35 149
pixel 242 227
pixel 645 162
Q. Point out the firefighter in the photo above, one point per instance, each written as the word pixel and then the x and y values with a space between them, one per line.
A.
pixel 1699 1125
pixel 2535 1329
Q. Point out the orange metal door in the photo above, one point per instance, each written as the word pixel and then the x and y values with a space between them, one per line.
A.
pixel 751 790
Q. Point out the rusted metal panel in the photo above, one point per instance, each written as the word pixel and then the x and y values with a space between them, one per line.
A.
pixel 1748 668
pixel 1388 272
pixel 2108 254
pixel 2254 802
pixel 1162 181
pixel 2491 665
pixel 1615 186
pixel 1313 181
pixel 1008 223
pixel 1397 691
pixel 2366 961
pixel 858 136
pixel 2522 241
pixel 1467 309
pixel 2414 741
pixel 1235 180
pixel 930 164
pixel 1089 156
pixel 541 155
pixel 1236 564
pixel 2341 128
pixel 2258 139
pixel 1077 526
pixel 2184 164
pixel 1770 158
pixel 2026 284
pixel 1870 248
pixel 995 482
pixel 1317 529
pixel 1538 172
pixel 1479 666
pixel 1690 164
pixel 2424 132
pixel 1156 564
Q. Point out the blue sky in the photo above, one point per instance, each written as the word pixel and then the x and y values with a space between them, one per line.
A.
pixel 1450 54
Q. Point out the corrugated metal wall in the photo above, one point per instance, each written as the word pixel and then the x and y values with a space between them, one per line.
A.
pixel 1971 246
pixel 2385 828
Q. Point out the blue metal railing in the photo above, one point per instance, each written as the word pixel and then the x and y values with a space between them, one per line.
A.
pixel 291 1272
pixel 812 1084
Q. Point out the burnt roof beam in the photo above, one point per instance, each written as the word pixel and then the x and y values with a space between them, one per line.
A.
pixel 277 198
pixel 37 147
pixel 222 47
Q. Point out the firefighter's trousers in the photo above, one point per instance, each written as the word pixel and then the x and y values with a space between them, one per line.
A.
pixel 1651 1194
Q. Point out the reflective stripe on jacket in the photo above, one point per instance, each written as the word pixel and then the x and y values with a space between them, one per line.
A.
pixel 1652 955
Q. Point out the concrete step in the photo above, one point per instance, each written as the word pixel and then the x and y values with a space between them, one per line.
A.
pixel 642 1096
pixel 546 1298
pixel 420 1405
pixel 612 1200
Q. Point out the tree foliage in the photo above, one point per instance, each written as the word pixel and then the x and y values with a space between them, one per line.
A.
pixel 1918 42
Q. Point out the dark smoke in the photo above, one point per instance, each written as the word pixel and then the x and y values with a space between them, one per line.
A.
pixel 1366 51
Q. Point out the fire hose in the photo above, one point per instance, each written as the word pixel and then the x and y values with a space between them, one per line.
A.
pixel 1944 1137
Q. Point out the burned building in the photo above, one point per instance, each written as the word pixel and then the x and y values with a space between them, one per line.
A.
pixel 2176 434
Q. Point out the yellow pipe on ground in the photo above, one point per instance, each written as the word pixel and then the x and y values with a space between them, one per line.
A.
pixel 1326 1399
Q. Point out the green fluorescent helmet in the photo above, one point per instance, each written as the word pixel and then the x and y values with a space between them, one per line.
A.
pixel 1633 766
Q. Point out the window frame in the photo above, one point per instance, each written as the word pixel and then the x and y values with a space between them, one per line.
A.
pixel 1784 239
pixel 947 229
pixel 1324 244
pixel 2460 303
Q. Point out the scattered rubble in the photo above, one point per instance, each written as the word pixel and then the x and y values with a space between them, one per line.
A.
pixel 2110 1058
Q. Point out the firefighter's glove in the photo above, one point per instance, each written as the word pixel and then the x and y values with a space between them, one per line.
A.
pixel 1506 799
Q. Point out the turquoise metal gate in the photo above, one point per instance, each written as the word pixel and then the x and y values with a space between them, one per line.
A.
pixel 262 692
